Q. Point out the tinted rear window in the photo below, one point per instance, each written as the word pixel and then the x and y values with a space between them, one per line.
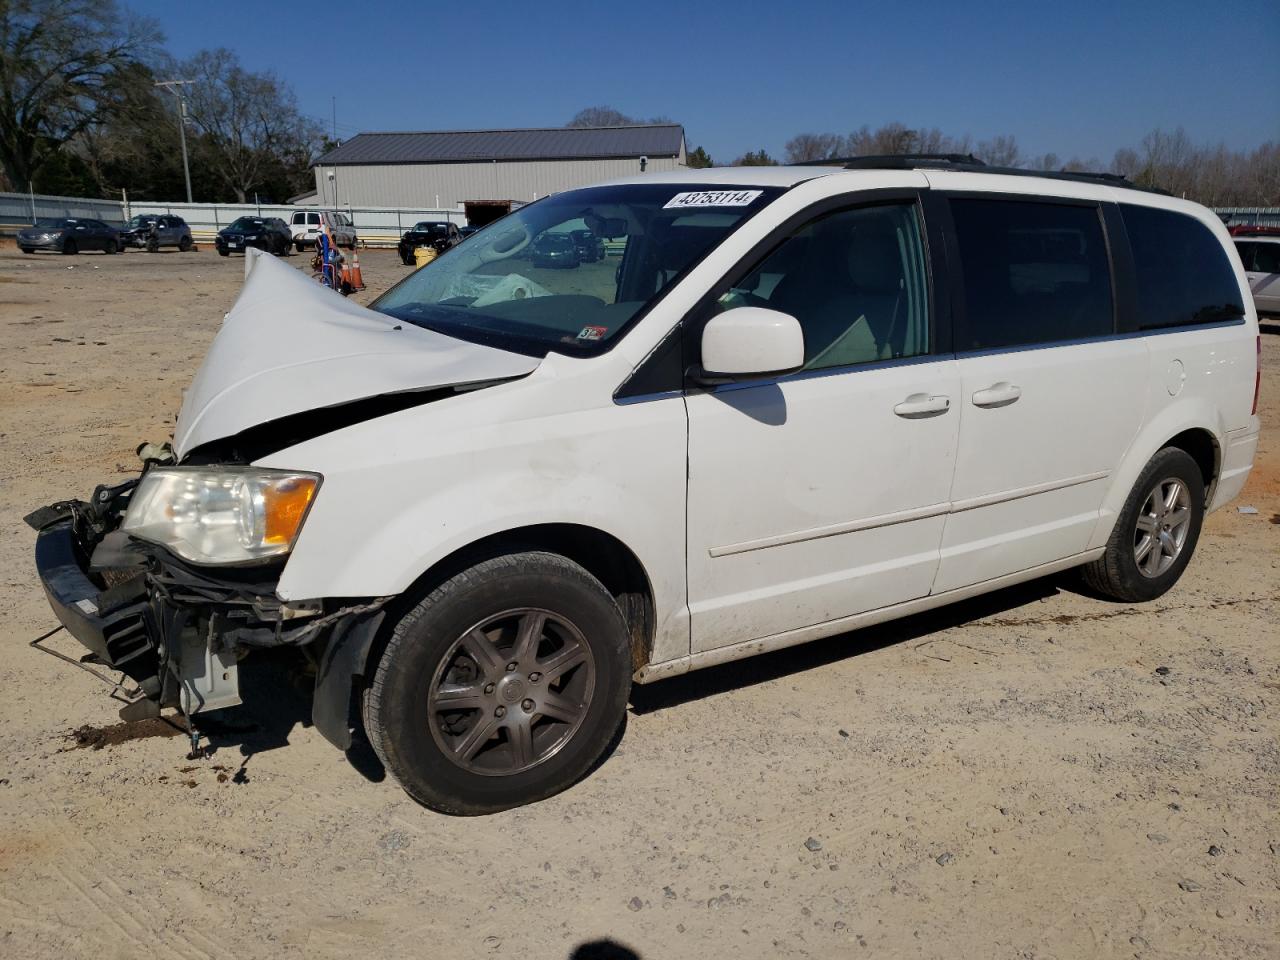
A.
pixel 1184 275
pixel 1033 273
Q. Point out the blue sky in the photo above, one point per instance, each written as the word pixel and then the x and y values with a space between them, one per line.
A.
pixel 1080 78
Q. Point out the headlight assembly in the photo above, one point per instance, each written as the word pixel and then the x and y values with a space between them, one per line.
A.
pixel 221 514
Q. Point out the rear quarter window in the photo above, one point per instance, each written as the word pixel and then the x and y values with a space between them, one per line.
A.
pixel 1184 276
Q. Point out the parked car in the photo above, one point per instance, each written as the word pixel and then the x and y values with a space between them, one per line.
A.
pixel 467 231
pixel 263 233
pixel 554 250
pixel 172 231
pixel 305 227
pixel 438 235
pixel 1260 256
pixel 69 235
pixel 590 247
pixel 815 399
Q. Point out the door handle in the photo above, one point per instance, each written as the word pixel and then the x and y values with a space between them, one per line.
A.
pixel 920 405
pixel 997 395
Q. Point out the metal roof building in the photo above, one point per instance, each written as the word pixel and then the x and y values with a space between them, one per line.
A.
pixel 452 169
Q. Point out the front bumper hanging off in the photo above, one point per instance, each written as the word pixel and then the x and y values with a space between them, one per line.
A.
pixel 179 631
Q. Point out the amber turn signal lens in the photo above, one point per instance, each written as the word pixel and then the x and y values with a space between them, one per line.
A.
pixel 284 505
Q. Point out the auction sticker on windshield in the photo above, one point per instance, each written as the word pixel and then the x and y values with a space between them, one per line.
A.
pixel 712 198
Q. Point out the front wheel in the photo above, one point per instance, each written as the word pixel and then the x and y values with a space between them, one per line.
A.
pixel 69 247
pixel 502 687
pixel 184 244
pixel 1155 533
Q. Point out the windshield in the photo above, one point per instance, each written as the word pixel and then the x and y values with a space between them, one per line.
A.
pixel 425 227
pixel 500 287
pixel 142 218
pixel 246 223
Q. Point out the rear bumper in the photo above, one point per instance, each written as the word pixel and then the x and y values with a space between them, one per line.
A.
pixel 1237 460
pixel 111 624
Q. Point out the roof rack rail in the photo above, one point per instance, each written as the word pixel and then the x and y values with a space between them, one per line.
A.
pixel 896 161
pixel 970 164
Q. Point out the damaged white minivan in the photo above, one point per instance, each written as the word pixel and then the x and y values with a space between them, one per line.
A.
pixel 789 402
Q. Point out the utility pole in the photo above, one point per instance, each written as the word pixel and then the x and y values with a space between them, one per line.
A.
pixel 175 87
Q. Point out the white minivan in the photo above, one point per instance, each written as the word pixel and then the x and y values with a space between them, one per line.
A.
pixel 305 226
pixel 806 399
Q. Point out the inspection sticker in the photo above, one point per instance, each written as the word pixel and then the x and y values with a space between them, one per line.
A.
pixel 593 333
pixel 712 198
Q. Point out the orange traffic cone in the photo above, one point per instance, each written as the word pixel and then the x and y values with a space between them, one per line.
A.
pixel 357 281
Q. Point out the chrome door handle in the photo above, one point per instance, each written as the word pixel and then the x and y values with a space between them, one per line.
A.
pixel 920 405
pixel 997 395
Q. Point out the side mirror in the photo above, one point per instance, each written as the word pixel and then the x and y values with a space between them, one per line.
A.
pixel 750 342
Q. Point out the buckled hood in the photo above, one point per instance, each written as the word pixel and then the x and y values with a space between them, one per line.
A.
pixel 290 345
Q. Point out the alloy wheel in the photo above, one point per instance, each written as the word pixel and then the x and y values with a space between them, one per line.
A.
pixel 1162 527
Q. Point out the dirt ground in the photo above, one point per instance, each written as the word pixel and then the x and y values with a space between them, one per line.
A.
pixel 1033 774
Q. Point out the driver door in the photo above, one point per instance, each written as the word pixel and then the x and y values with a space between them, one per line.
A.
pixel 823 494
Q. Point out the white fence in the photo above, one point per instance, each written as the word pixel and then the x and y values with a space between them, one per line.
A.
pixel 376 226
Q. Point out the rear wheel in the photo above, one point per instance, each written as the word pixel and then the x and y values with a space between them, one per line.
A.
pixel 69 247
pixel 184 244
pixel 299 247
pixel 28 249
pixel 502 687
pixel 109 247
pixel 1155 533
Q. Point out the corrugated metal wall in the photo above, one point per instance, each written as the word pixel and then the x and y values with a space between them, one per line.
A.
pixel 407 185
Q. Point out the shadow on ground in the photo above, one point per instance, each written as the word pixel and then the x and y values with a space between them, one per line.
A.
pixel 603 950
pixel 817 653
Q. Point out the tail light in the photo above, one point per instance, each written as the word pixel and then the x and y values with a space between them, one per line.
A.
pixel 1257 378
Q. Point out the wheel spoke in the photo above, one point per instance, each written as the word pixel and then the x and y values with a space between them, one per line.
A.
pixel 1171 494
pixel 530 635
pixel 1152 565
pixel 560 708
pixel 1146 523
pixel 520 733
pixel 1144 548
pixel 458 697
pixel 1178 518
pixel 562 661
pixel 482 651
pixel 481 732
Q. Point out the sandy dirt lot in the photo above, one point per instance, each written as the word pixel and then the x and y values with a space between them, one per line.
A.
pixel 1034 774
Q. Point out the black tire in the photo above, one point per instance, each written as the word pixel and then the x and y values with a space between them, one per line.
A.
pixel 1116 573
pixel 69 247
pixel 224 253
pixel 184 244
pixel 110 248
pixel 28 249
pixel 300 247
pixel 398 718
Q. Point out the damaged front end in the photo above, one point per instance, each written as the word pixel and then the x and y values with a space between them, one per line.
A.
pixel 178 630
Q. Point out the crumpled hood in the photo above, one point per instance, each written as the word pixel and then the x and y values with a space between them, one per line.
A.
pixel 290 345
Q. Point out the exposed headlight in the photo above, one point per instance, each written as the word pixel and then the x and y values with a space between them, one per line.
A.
pixel 221 514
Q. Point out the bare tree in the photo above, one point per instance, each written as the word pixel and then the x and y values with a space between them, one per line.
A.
pixel 246 121
pixel 814 146
pixel 604 116
pixel 1001 151
pixel 58 61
